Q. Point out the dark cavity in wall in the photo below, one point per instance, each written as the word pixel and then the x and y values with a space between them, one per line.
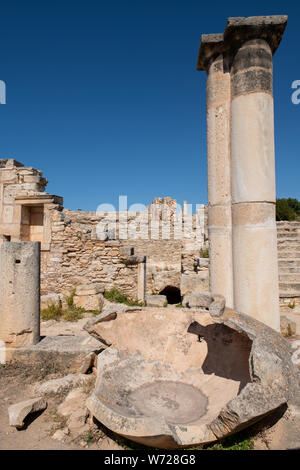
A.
pixel 172 293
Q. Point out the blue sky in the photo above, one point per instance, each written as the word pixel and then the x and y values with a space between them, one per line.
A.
pixel 104 96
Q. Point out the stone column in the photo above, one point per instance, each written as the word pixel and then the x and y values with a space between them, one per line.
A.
pixel 212 59
pixel 19 294
pixel 251 43
pixel 141 287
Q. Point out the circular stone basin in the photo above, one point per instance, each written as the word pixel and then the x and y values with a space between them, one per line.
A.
pixel 174 378
pixel 177 402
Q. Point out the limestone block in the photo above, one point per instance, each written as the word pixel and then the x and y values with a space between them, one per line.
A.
pixel 20 293
pixel 156 300
pixel 197 300
pixel 194 283
pixel 89 302
pixel 50 299
pixel 19 411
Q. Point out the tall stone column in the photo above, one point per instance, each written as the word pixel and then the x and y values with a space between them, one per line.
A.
pixel 251 42
pixel 212 59
pixel 19 296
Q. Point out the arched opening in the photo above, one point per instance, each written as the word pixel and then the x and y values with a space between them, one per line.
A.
pixel 172 293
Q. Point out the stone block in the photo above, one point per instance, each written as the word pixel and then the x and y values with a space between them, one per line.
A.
pixel 194 283
pixel 18 412
pixel 50 299
pixel 89 302
pixel 156 300
pixel 197 300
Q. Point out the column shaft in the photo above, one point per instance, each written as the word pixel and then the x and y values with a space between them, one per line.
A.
pixel 254 236
pixel 219 180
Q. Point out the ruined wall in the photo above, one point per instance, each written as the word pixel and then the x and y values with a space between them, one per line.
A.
pixel 78 256
pixel 84 247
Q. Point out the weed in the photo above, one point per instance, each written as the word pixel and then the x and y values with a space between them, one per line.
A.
pixel 204 253
pixel 114 295
pixel 73 314
pixel 89 437
pixel 52 312
pixel 292 304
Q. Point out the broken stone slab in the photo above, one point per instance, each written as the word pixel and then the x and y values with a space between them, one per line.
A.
pixel 111 311
pixel 194 283
pixel 197 300
pixel 61 385
pixel 19 411
pixel 287 326
pixel 156 300
pixel 50 299
pixel 91 302
pixel 66 352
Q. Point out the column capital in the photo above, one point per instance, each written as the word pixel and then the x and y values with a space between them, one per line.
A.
pixel 268 28
pixel 211 46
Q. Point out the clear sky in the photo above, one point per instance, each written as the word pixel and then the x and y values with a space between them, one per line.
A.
pixel 104 96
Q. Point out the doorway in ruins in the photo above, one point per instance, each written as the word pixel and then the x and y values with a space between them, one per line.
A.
pixel 32 223
pixel 172 293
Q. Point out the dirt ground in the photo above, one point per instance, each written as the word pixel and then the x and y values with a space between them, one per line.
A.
pixel 15 386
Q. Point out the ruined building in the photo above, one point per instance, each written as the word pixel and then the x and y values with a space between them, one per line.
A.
pixel 87 247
